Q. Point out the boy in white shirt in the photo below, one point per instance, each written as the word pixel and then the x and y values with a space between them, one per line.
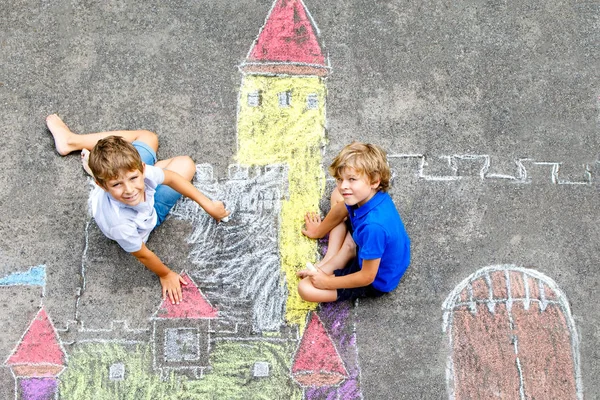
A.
pixel 135 191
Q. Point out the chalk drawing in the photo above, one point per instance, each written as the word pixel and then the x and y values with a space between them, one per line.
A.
pixel 317 362
pixel 287 58
pixel 464 166
pixel 241 328
pixel 511 335
pixel 38 360
pixel 238 261
pixel 35 276
pixel 181 332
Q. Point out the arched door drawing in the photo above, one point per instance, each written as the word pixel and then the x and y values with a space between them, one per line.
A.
pixel 511 336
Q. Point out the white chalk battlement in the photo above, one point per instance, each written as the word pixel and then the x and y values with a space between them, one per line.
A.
pixel 484 167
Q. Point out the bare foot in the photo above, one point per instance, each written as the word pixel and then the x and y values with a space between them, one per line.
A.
pixel 85 159
pixel 61 134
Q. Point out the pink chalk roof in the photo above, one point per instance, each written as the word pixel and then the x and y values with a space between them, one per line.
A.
pixel 39 345
pixel 193 306
pixel 288 37
pixel 316 353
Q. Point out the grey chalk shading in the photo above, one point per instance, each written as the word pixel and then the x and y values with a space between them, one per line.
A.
pixel 182 344
pixel 237 264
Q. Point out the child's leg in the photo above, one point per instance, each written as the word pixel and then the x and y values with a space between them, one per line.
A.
pixel 166 197
pixel 67 141
pixel 337 234
pixel 308 292
pixel 340 259
pixel 183 165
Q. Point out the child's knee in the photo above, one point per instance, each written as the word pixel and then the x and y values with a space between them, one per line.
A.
pixel 304 289
pixel 148 137
pixel 349 245
pixel 188 166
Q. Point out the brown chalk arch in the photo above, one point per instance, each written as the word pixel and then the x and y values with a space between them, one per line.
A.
pixel 511 336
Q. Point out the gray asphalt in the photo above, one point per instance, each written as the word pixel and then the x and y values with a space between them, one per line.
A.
pixel 490 112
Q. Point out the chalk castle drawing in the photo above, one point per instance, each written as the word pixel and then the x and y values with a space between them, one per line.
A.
pixel 241 328
pixel 242 331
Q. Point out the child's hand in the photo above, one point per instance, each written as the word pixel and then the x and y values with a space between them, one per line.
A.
pixel 171 286
pixel 218 210
pixel 318 278
pixel 312 220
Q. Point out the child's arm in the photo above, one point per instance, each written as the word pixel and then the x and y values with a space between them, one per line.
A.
pixel 316 229
pixel 361 278
pixel 169 280
pixel 215 209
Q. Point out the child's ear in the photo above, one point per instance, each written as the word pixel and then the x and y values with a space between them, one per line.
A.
pixel 101 185
pixel 375 182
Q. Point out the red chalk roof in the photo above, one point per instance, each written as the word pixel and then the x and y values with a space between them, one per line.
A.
pixel 317 362
pixel 287 43
pixel 40 344
pixel 193 306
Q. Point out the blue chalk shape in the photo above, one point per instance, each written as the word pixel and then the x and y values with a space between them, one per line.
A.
pixel 35 276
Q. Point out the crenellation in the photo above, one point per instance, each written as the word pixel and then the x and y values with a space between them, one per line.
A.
pixel 204 172
pixel 471 165
pixel 439 168
pixel 487 168
pixel 574 174
pixel 238 172
pixel 117 331
pixel 538 172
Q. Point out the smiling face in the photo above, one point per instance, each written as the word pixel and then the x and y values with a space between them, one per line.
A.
pixel 127 188
pixel 355 187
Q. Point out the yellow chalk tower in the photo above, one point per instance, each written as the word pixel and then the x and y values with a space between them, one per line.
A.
pixel 281 120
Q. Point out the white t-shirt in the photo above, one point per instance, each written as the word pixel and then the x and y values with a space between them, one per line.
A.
pixel 128 226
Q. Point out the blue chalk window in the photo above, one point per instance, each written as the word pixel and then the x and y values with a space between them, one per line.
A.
pixel 254 98
pixel 312 101
pixel 285 99
pixel 116 372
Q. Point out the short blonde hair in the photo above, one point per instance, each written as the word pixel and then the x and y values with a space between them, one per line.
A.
pixel 365 158
pixel 111 156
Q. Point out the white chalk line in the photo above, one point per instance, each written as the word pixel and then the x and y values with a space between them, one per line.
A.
pixel 522 176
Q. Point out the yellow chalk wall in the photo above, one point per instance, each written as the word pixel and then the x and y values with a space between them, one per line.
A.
pixel 294 135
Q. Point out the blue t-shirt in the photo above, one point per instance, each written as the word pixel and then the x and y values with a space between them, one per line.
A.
pixel 379 233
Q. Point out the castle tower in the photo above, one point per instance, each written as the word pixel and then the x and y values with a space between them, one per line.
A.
pixel 38 360
pixel 181 332
pixel 281 120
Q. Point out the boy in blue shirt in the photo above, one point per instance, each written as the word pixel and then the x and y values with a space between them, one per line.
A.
pixel 135 191
pixel 367 258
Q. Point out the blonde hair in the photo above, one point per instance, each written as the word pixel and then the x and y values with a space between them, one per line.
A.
pixel 111 156
pixel 365 158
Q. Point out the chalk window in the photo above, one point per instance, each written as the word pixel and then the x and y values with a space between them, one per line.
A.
pixel 312 101
pixel 261 369
pixel 116 372
pixel 254 99
pixel 285 99
pixel 182 344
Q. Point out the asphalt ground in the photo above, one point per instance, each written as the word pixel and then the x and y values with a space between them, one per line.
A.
pixel 489 112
